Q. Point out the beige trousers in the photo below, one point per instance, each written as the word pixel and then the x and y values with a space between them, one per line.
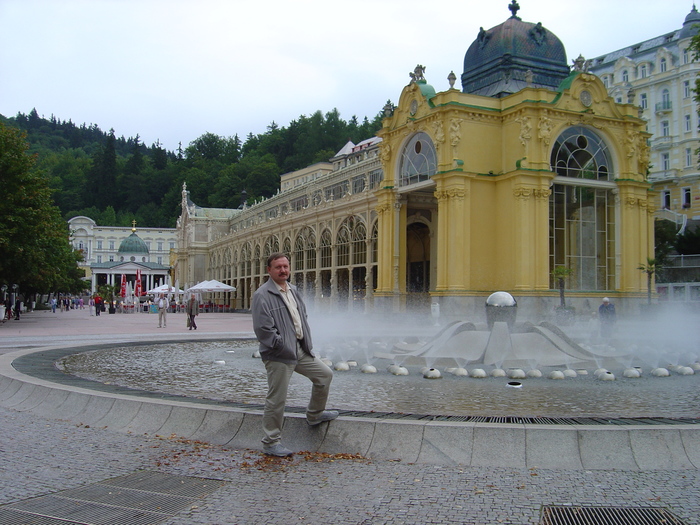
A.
pixel 278 377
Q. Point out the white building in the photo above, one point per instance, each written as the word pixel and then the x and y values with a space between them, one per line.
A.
pixel 659 76
pixel 110 251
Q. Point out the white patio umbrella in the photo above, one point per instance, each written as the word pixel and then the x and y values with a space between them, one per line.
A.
pixel 211 286
pixel 164 289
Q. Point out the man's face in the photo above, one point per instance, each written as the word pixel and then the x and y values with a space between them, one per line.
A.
pixel 279 270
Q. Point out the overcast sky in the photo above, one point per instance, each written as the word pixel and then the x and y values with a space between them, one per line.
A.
pixel 172 70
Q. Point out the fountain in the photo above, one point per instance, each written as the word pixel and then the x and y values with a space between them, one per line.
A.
pixel 473 363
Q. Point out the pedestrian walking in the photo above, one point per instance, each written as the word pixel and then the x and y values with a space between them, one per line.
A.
pixel 162 304
pixel 607 317
pixel 192 311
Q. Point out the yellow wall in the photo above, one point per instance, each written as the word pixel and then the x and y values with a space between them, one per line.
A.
pixel 493 184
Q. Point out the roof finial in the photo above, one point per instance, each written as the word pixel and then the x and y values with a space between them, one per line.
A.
pixel 133 226
pixel 514 8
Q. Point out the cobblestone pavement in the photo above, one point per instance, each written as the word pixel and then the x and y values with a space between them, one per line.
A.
pixel 41 456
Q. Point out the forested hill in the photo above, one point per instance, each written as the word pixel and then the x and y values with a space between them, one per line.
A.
pixel 115 180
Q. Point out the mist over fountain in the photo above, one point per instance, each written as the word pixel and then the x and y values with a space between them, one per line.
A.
pixel 495 366
pixel 499 342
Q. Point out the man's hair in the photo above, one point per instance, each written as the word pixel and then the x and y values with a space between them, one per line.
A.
pixel 274 257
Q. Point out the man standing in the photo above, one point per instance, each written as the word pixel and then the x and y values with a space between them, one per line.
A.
pixel 162 310
pixel 193 310
pixel 280 324
pixel 607 318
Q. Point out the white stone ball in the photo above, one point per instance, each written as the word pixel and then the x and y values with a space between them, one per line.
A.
pixel 432 373
pixel 342 366
pixel 219 362
pixel 460 372
pixel 569 372
pixel 352 363
pixel 516 373
pixel 368 369
pixel 534 373
pixel 392 368
pixel 695 366
pixel 600 371
pixel 582 372
pixel 606 376
pixel 401 371
pixel 478 373
pixel 660 372
pixel 450 370
pixel 631 373
pixel 686 371
pixel 327 362
pixel 498 372
pixel 556 374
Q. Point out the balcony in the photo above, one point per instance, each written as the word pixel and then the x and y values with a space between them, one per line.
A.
pixel 662 142
pixel 664 107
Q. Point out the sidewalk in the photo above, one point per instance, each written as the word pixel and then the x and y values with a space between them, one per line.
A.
pixel 42 456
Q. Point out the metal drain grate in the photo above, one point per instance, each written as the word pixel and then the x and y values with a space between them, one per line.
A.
pixel 552 515
pixel 142 498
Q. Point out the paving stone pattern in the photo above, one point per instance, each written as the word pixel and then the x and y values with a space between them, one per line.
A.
pixel 41 456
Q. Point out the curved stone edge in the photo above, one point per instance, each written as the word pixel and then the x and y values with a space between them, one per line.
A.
pixel 632 447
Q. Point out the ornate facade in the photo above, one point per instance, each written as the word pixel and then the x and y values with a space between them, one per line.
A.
pixel 464 195
pixel 107 254
pixel 658 76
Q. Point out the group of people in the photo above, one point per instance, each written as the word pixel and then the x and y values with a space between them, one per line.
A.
pixel 11 312
pixel 66 304
pixel 191 308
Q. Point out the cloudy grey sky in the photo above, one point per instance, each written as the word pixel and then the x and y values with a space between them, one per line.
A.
pixel 171 70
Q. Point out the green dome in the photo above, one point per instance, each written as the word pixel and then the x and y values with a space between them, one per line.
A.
pixel 133 244
pixel 690 27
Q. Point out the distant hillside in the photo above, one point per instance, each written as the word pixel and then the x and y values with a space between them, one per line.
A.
pixel 117 180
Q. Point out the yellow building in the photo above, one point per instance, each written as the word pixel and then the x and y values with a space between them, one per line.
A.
pixel 530 166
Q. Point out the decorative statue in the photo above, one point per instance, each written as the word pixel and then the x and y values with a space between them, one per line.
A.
pixel 418 73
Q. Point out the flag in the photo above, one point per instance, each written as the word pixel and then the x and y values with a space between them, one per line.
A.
pixel 138 290
pixel 122 292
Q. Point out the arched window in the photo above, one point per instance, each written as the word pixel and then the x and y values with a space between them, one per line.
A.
pixel 579 152
pixel 582 210
pixel 662 65
pixel 625 76
pixel 666 99
pixel 343 247
pixel 418 160
pixel 305 250
pixel 326 249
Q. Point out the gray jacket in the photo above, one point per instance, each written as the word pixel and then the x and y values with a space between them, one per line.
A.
pixel 274 327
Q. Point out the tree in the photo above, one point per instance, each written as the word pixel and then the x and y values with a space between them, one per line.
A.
pixel 560 273
pixel 34 248
pixel 688 243
pixel 102 180
pixel 650 268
